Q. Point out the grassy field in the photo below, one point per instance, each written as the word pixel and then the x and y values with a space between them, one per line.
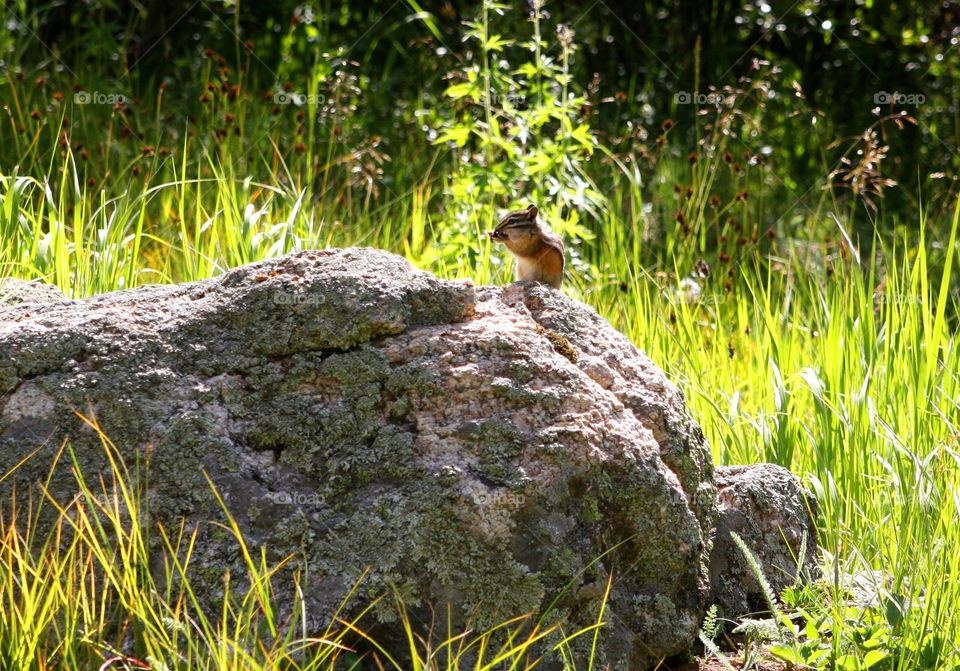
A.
pixel 808 342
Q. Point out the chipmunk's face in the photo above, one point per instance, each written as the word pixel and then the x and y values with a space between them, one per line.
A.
pixel 519 230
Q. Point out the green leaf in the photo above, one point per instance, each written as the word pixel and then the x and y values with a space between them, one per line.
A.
pixel 495 127
pixel 875 657
pixel 894 608
pixel 462 90
pixel 787 653
pixel 457 134
pixel 848 663
pixel 426 17
pixel 496 43
pixel 877 638
pixel 582 135
pixel 537 163
pixel 527 70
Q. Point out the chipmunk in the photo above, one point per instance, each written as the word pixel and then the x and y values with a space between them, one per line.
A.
pixel 539 252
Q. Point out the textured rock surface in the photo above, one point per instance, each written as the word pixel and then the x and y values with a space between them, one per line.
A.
pixel 481 447
pixel 14 291
pixel 768 507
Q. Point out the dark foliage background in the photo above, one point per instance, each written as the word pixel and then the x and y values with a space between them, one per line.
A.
pixel 847 63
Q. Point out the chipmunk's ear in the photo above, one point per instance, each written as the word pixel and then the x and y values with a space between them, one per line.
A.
pixel 532 211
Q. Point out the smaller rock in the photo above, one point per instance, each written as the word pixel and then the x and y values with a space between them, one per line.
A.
pixel 771 511
pixel 15 292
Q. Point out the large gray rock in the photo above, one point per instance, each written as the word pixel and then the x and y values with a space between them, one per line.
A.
pixel 769 509
pixel 491 448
